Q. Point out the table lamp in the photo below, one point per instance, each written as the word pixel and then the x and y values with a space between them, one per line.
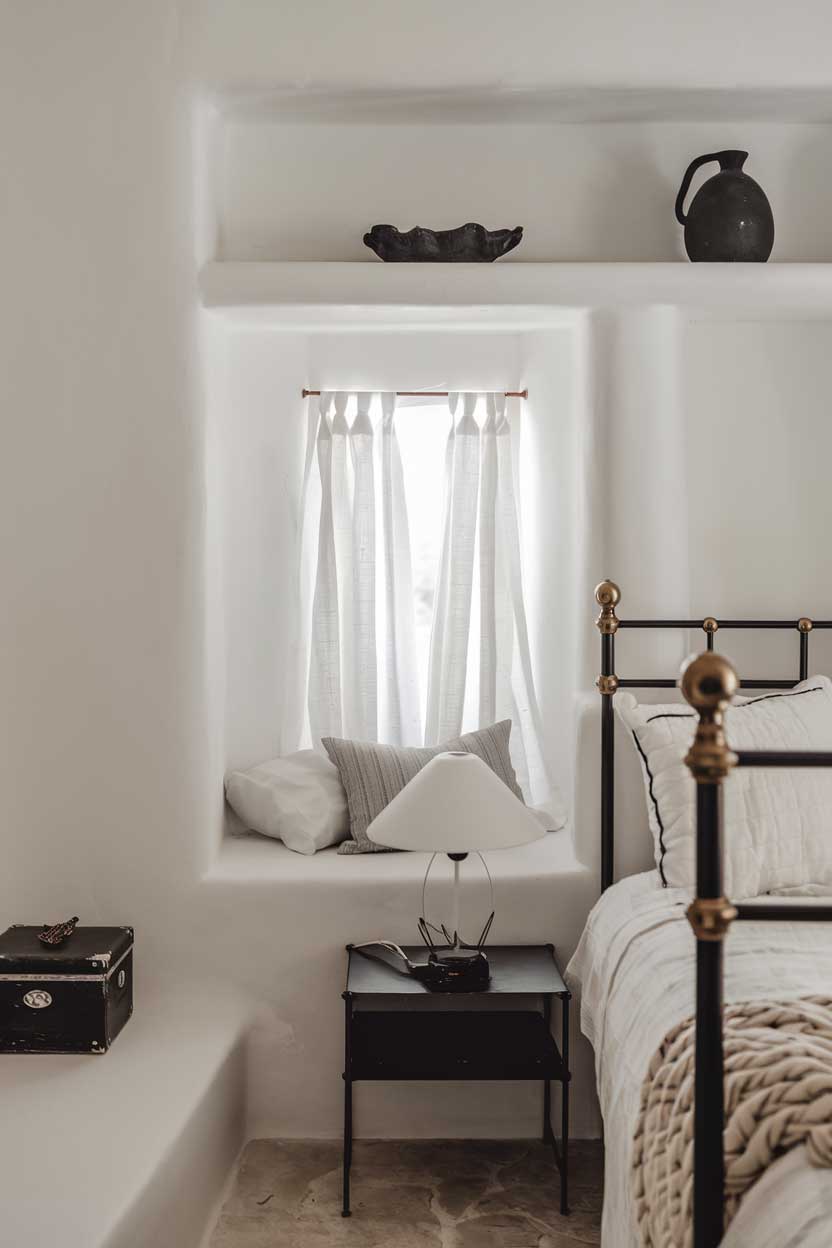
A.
pixel 456 805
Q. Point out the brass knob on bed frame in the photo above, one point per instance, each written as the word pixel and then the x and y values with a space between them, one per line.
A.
pixel 708 683
pixel 608 596
pixel 710 917
pixel 804 624
pixel 710 625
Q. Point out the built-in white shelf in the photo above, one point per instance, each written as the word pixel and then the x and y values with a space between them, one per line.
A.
pixel 291 293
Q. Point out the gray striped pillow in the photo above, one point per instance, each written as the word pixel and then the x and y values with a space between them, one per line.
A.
pixel 373 774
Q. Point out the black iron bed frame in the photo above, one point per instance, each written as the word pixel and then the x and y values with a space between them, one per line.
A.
pixel 708 682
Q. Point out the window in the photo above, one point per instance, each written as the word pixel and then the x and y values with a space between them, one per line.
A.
pixel 414 614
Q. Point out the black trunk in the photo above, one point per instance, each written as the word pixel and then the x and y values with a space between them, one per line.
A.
pixel 74 998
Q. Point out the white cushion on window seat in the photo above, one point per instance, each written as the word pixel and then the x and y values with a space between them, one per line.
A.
pixel 298 799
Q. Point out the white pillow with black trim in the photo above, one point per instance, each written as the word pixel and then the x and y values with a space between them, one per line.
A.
pixel 777 824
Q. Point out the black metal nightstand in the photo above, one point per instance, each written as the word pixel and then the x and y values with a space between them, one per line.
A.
pixel 406 1041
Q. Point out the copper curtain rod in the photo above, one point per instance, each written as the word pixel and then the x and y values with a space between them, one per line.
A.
pixel 434 394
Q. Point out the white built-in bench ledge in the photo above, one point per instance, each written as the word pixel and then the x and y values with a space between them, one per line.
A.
pixel 132 1147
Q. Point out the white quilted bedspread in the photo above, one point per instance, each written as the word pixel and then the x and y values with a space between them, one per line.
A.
pixel 635 970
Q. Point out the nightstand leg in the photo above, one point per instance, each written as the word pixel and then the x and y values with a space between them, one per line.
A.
pixel 547 1086
pixel 564 1125
pixel 345 1209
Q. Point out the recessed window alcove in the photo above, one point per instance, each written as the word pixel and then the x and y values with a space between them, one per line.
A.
pixel 260 426
pixel 664 400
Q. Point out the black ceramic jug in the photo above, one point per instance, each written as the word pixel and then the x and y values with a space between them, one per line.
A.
pixel 730 217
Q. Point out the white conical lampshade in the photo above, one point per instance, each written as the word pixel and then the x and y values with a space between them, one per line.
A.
pixel 455 805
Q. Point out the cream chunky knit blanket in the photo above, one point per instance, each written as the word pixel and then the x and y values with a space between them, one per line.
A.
pixel 778 1095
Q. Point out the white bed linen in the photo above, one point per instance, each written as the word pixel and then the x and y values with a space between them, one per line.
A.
pixel 635 970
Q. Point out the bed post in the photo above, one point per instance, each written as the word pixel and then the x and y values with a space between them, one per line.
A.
pixel 607 595
pixel 708 683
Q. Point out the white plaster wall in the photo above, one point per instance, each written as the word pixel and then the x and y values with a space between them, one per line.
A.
pixel 392 43
pixel 121 642
pixel 453 360
pixel 581 192
pixel 101 635
pixel 104 734
pixel 759 447
pixel 633 528
pixel 708 495
pixel 550 495
pixel 261 443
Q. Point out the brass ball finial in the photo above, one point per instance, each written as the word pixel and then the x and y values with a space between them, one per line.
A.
pixel 608 596
pixel 804 624
pixel 709 624
pixel 708 681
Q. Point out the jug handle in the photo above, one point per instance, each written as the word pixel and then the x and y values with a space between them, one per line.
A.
pixel 686 181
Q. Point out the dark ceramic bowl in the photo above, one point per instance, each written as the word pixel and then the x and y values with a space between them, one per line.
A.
pixel 467 243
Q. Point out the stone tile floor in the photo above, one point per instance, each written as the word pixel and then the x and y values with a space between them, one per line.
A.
pixel 412 1194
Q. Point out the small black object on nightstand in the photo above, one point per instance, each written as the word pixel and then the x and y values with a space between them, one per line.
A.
pixel 404 1040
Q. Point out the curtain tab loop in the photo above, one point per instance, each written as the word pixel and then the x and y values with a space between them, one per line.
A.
pixel 325 399
pixel 388 407
pixel 362 423
pixel 491 409
pixel 339 421
pixel 501 407
pixel 467 423
pixel 325 415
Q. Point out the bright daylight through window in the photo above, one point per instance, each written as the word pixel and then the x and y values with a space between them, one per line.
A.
pixel 422 430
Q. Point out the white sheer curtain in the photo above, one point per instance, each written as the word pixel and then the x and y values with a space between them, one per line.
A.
pixel 363 680
pixel 480 661
pixel 400 709
pixel 514 680
pixel 452 599
pixel 357 609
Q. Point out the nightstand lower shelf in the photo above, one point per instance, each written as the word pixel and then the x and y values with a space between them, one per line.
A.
pixel 504 1044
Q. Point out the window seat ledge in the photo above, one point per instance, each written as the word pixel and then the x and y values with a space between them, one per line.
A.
pixel 259 860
